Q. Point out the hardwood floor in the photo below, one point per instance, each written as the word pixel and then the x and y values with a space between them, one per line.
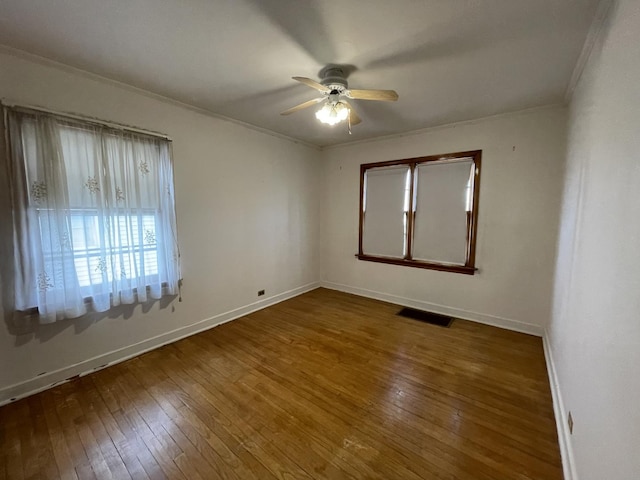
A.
pixel 326 385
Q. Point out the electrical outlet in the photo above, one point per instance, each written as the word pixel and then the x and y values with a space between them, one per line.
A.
pixel 260 293
pixel 570 422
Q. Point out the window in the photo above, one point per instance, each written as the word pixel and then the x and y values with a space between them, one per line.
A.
pixel 94 217
pixel 421 212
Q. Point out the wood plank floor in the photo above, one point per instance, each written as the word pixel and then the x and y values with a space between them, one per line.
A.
pixel 326 385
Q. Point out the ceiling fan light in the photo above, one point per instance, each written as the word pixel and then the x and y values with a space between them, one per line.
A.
pixel 332 113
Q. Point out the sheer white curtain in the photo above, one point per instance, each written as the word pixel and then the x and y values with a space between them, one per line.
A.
pixel 94 218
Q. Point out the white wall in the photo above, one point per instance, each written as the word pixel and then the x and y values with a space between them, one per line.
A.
pixel 522 165
pixel 595 330
pixel 248 216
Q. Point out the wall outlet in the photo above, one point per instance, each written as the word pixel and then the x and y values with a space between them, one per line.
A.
pixel 260 293
pixel 570 422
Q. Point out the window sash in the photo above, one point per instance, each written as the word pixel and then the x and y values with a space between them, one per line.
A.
pixel 440 227
pixel 388 199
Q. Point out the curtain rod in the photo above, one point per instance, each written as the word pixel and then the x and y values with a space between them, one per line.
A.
pixel 85 118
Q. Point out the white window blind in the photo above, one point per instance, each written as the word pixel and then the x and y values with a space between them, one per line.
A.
pixel 441 216
pixel 385 211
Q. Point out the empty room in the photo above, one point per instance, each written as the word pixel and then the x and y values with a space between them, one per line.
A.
pixel 320 239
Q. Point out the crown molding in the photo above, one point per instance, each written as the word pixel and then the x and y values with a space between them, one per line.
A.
pixel 497 116
pixel 593 35
pixel 47 62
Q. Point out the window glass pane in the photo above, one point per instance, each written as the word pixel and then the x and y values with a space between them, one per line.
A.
pixel 385 203
pixel 119 253
pixel 441 216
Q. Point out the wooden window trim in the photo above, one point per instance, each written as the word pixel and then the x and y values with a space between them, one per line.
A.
pixel 469 267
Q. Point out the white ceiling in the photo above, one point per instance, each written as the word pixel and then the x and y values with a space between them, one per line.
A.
pixel 449 60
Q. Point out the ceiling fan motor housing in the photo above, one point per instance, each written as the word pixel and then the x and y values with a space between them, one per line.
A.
pixel 334 79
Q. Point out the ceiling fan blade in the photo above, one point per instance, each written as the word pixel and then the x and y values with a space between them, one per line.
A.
pixel 312 84
pixel 383 95
pixel 302 105
pixel 354 119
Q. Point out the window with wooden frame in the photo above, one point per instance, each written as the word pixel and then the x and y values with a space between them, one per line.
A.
pixel 421 212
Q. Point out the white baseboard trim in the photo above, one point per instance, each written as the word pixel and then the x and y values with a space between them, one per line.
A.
pixel 564 437
pixel 487 319
pixel 63 375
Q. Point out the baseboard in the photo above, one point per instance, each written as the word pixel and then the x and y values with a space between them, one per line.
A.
pixel 564 437
pixel 492 320
pixel 62 375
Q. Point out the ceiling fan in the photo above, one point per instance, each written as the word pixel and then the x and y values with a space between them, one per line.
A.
pixel 335 94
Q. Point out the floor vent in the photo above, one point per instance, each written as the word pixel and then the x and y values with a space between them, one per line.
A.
pixel 427 317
